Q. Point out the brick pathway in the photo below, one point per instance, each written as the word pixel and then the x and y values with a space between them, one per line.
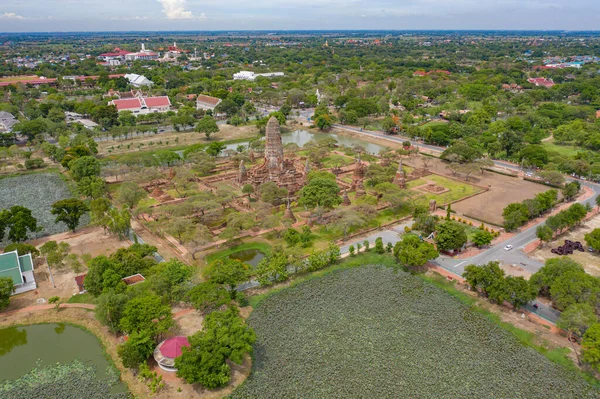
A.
pixel 35 308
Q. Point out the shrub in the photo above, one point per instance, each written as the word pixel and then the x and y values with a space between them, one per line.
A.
pixel 34 163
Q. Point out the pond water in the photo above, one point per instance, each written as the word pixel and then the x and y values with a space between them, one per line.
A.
pixel 23 348
pixel 248 256
pixel 301 137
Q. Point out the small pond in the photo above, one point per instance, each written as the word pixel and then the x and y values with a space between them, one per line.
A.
pixel 301 137
pixel 248 256
pixel 23 348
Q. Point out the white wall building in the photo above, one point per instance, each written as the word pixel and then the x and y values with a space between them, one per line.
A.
pixel 247 75
pixel 138 80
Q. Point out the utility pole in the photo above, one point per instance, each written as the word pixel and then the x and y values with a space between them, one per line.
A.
pixel 51 277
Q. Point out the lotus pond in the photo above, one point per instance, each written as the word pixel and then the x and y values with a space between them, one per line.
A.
pixel 62 356
pixel 37 191
pixel 375 332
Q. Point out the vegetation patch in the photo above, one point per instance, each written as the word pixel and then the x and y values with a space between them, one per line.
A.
pixel 378 332
pixel 37 191
pixel 73 380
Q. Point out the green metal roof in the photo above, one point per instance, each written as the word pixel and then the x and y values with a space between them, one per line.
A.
pixel 9 267
pixel 25 262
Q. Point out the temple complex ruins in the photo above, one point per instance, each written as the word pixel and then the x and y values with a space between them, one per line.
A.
pixel 275 167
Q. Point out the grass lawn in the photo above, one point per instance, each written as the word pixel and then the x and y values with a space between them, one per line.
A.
pixel 562 149
pixel 457 191
pixel 82 298
pixel 333 160
pixel 259 246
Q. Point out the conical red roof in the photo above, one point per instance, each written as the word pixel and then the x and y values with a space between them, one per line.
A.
pixel 172 347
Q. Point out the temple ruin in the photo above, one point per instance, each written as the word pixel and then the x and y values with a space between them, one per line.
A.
pixel 275 167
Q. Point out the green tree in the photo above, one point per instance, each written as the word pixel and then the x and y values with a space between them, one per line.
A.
pixel 69 211
pixel 225 337
pixel 414 253
pixel 230 272
pixel 592 239
pixel 215 148
pixel 575 287
pixel 92 186
pixel 146 313
pixel 137 349
pixel 515 215
pixel 208 126
pixel 379 248
pixel 545 278
pixel 169 279
pixel 19 221
pixel 544 233
pixel 7 288
pixel 130 194
pixel 591 346
pixel 519 291
pixel 482 238
pixel 481 278
pixel 208 296
pixel 320 192
pixel 575 320
pixel 273 268
pixel 84 167
pixel 450 236
pixel 571 190
pixel 110 307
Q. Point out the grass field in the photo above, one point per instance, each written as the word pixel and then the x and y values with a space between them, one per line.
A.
pixel 566 150
pixel 375 332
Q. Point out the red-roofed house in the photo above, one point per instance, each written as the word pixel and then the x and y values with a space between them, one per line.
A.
pixel 598 114
pixel 420 73
pixel 541 82
pixel 79 281
pixel 207 102
pixel 143 105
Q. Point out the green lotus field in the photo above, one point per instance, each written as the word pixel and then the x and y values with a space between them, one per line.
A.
pixel 374 332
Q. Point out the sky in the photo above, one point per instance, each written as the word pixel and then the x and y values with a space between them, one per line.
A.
pixel 144 15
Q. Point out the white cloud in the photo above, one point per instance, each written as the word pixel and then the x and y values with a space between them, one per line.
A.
pixel 136 18
pixel 176 9
pixel 11 15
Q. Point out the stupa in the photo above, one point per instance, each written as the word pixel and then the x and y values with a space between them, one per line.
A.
pixel 275 167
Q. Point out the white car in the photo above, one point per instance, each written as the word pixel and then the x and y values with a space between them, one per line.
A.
pixel 508 247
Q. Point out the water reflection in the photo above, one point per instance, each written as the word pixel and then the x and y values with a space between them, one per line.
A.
pixel 250 256
pixel 10 338
pixel 301 137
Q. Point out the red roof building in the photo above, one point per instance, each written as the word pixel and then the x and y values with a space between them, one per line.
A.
pixel 135 279
pixel 420 73
pixel 116 53
pixel 28 80
pixel 207 102
pixel 541 82
pixel 79 281
pixel 167 351
pixel 598 114
pixel 143 105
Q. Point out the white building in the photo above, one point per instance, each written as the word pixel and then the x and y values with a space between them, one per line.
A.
pixel 247 75
pixel 144 55
pixel 7 121
pixel 138 80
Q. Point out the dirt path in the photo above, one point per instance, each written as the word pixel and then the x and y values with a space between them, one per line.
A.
pixel 30 309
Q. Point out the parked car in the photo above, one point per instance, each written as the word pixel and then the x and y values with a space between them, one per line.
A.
pixel 508 247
